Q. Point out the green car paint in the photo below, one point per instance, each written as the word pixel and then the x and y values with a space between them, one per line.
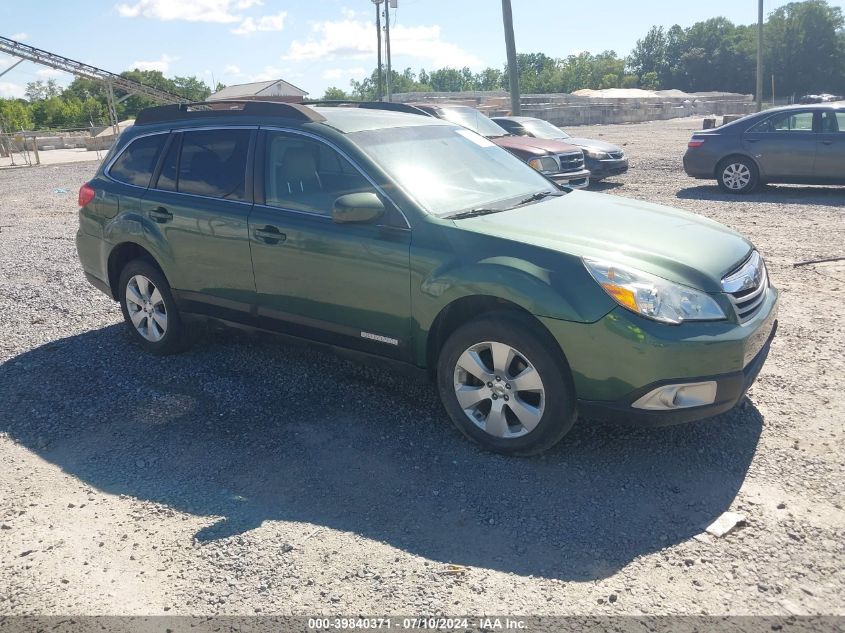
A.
pixel 381 288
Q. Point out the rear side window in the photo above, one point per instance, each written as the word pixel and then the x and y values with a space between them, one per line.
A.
pixel 213 163
pixel 833 122
pixel 786 122
pixel 136 164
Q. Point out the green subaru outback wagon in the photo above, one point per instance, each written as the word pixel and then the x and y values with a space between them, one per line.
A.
pixel 413 240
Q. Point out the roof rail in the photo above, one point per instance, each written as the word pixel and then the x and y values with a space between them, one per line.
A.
pixel 370 105
pixel 244 107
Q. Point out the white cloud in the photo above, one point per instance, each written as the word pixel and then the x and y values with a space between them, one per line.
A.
pixel 275 72
pixel 10 90
pixel 190 10
pixel 232 69
pixel 333 74
pixel 20 37
pixel 350 38
pixel 249 25
pixel 162 64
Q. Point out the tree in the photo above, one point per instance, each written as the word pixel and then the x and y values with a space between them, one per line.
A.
pixel 649 54
pixel 804 49
pixel 650 81
pixel 39 90
pixel 334 94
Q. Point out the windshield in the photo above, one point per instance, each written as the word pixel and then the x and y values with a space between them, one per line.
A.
pixel 544 129
pixel 447 169
pixel 474 120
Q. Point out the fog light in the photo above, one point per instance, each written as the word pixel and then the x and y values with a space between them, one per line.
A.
pixel 693 394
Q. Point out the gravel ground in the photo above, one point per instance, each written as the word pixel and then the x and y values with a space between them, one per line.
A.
pixel 253 476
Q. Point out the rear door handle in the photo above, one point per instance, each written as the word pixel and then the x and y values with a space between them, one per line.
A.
pixel 752 140
pixel 827 142
pixel 270 235
pixel 161 215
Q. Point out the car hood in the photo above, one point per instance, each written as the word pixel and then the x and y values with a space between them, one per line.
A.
pixel 599 146
pixel 676 245
pixel 534 146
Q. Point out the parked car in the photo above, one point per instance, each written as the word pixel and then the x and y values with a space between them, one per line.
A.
pixel 411 241
pixel 562 162
pixel 822 98
pixel 802 144
pixel 601 158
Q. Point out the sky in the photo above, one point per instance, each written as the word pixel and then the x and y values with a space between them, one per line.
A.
pixel 319 43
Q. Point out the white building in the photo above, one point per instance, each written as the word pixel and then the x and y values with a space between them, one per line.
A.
pixel 275 88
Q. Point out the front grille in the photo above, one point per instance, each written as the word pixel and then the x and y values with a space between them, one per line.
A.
pixel 747 287
pixel 574 161
pixel 616 155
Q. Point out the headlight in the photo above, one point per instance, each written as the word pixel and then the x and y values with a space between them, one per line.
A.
pixel 545 164
pixel 653 297
pixel 595 154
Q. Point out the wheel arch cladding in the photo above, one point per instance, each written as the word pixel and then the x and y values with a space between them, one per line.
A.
pixel 472 307
pixel 121 255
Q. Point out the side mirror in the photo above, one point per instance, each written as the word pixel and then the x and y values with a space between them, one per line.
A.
pixel 357 207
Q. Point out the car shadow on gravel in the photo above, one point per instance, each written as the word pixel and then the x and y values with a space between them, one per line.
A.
pixel 775 194
pixel 245 429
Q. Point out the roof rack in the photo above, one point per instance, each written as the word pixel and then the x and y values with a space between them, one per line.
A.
pixel 244 107
pixel 370 105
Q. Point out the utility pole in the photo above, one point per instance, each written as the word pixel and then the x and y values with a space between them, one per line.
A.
pixel 760 56
pixel 378 39
pixel 510 44
pixel 387 6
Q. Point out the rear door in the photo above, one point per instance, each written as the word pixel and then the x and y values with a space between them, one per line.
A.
pixel 201 199
pixel 830 155
pixel 347 284
pixel 784 145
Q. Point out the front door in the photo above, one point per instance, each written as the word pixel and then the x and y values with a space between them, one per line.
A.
pixel 830 155
pixel 784 145
pixel 202 202
pixel 347 284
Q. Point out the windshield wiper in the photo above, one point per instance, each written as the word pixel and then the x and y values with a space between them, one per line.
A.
pixel 540 195
pixel 472 213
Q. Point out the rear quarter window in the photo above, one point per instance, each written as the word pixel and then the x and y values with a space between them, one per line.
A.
pixel 136 163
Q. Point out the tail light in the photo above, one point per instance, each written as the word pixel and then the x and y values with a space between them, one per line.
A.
pixel 695 142
pixel 86 194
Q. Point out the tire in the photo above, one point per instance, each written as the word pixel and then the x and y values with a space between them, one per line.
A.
pixel 523 422
pixel 737 174
pixel 149 310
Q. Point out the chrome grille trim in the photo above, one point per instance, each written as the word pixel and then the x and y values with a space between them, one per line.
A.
pixel 746 287
pixel 572 161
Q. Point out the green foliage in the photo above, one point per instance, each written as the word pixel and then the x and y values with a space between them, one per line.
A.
pixel 650 81
pixel 334 94
pixel 14 115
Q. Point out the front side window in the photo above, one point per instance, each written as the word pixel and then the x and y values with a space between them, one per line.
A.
pixel 786 122
pixel 306 175
pixel 136 163
pixel 449 169
pixel 213 163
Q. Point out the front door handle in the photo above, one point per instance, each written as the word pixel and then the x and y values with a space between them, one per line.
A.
pixel 752 140
pixel 270 235
pixel 161 215
pixel 827 142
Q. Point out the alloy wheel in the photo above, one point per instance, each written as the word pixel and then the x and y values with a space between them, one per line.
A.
pixel 736 176
pixel 146 308
pixel 499 389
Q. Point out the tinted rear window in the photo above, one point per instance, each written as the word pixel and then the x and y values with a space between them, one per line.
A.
pixel 213 163
pixel 136 164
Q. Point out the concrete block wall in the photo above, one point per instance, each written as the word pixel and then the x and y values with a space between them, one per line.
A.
pixel 573 110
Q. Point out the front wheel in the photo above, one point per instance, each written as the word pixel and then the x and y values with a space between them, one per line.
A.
pixel 504 388
pixel 737 175
pixel 149 309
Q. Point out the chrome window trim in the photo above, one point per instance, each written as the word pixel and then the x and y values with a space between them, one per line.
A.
pixel 355 165
pixel 110 164
pixel 198 128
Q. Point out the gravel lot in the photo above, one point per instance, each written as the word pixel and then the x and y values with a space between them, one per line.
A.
pixel 253 476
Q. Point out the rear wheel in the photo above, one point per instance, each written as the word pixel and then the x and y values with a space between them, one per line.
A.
pixel 737 175
pixel 149 309
pixel 504 388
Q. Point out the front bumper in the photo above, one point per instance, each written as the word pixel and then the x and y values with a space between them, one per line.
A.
pixel 623 356
pixel 574 179
pixel 600 169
